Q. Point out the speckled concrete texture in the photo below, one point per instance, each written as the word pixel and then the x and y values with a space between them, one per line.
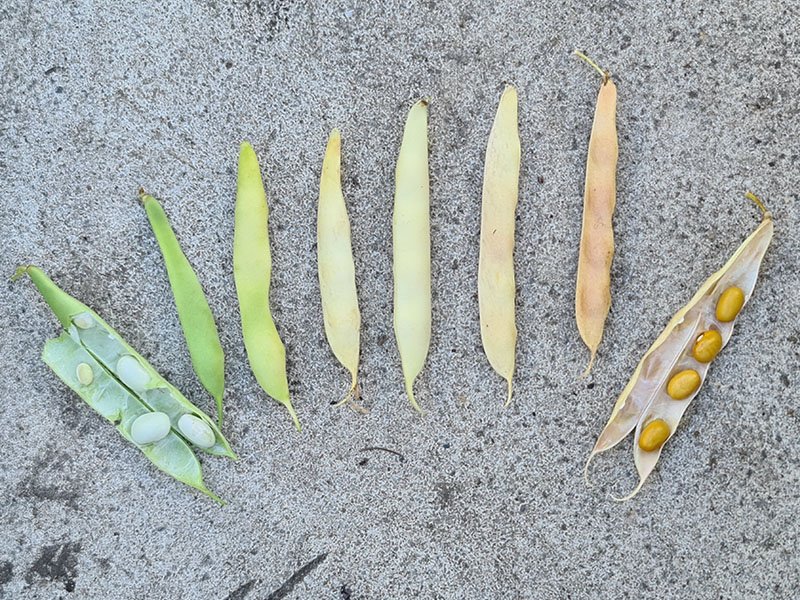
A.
pixel 100 98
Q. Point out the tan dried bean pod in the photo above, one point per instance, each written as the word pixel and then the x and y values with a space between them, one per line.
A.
pixel 593 287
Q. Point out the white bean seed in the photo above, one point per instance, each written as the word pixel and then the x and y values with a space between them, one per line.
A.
pixel 196 431
pixel 150 428
pixel 132 373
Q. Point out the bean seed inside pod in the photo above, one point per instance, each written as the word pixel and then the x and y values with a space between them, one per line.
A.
pixel 196 431
pixel 84 374
pixel 132 373
pixel 729 304
pixel 83 321
pixel 654 435
pixel 707 346
pixel 683 384
pixel 150 428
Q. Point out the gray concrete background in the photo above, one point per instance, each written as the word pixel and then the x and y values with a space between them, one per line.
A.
pixel 99 98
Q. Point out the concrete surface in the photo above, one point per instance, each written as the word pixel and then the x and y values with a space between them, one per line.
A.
pixel 99 98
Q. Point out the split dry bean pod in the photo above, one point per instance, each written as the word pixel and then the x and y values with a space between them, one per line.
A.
pixel 672 371
pixel 593 286
pixel 496 284
pixel 197 322
pixel 412 248
pixel 337 272
pixel 252 270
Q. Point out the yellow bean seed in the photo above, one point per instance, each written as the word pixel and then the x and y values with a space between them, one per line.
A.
pixel 729 304
pixel 654 435
pixel 707 346
pixel 683 384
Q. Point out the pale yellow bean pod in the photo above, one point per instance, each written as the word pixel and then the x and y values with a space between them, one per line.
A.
pixel 412 248
pixel 337 276
pixel 496 283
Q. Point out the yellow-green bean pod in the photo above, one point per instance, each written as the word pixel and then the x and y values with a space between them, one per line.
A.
pixel 252 269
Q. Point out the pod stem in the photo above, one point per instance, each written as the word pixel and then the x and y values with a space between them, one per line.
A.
pixel 510 391
pixel 21 270
pixel 605 73
pixel 757 201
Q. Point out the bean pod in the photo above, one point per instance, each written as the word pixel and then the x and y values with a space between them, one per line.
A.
pixel 496 283
pixel 412 248
pixel 593 286
pixel 671 373
pixel 119 360
pixel 337 272
pixel 197 322
pixel 252 270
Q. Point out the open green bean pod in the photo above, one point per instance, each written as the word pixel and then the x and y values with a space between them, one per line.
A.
pixel 71 362
pixel 121 361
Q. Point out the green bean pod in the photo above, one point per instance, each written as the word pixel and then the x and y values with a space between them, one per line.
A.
pixel 252 269
pixel 109 349
pixel 197 322
pixel 110 399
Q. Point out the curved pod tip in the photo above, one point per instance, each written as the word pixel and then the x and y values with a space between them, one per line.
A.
pixel 510 394
pixel 410 393
pixel 765 213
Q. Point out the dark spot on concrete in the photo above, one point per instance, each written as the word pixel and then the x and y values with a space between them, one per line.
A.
pixel 228 64
pixel 59 89
pixel 382 339
pixel 6 572
pixel 362 462
pixel 298 576
pixel 540 179
pixel 590 386
pixel 47 480
pixel 241 592
pixel 785 380
pixel 445 492
pixel 345 592
pixel 57 563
